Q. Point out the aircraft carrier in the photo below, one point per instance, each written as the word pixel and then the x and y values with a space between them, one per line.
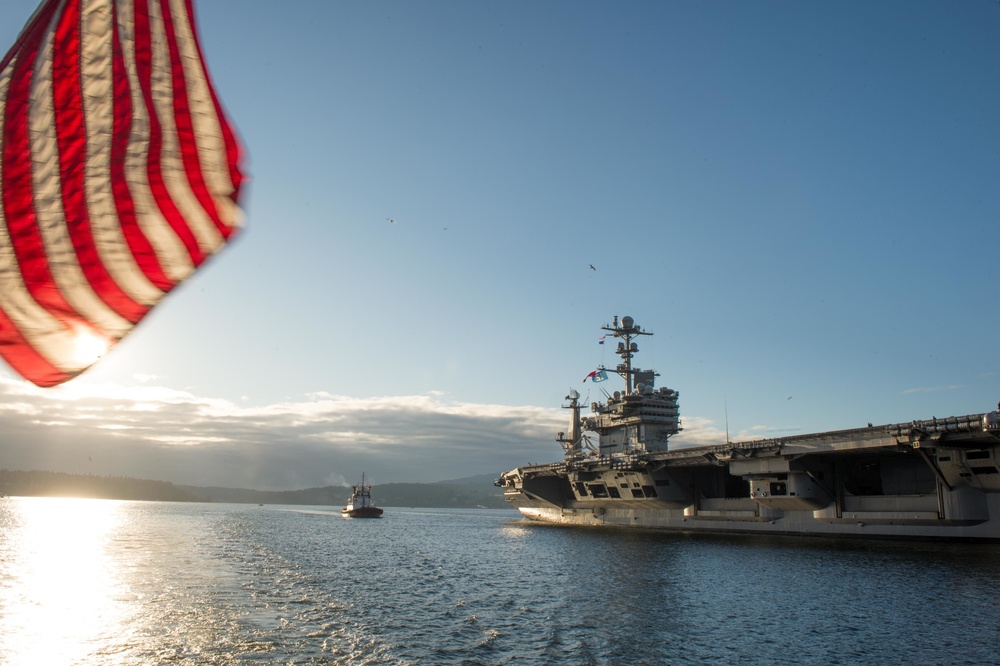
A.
pixel 936 479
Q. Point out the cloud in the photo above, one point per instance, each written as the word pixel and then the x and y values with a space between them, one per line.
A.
pixel 162 433
pixel 322 439
pixel 698 431
pixel 701 431
pixel 933 389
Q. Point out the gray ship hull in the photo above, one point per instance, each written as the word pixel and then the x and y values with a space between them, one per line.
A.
pixel 878 525
pixel 932 480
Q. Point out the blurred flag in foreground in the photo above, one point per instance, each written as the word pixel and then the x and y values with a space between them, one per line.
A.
pixel 119 176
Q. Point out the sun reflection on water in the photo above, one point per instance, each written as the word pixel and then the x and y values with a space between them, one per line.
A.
pixel 60 587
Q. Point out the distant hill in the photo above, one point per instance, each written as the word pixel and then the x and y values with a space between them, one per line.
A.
pixel 479 479
pixel 470 492
pixel 56 484
pixel 325 495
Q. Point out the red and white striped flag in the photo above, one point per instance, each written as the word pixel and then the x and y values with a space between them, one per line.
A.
pixel 119 176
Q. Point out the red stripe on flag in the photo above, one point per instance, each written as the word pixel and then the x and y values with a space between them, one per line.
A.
pixel 19 213
pixel 27 361
pixel 144 63
pixel 18 188
pixel 185 129
pixel 38 21
pixel 139 245
pixel 71 134
pixel 233 149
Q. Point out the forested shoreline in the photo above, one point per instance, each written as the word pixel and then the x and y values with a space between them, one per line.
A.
pixel 37 483
pixel 474 492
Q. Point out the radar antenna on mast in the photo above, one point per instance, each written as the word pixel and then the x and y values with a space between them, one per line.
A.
pixel 627 329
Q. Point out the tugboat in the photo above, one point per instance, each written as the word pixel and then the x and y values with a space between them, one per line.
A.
pixel 360 505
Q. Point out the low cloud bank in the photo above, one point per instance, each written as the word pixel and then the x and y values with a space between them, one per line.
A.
pixel 323 439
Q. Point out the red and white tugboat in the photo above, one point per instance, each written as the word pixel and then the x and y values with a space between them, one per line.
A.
pixel 360 505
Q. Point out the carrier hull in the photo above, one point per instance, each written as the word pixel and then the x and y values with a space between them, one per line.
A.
pixel 930 479
pixel 936 479
pixel 790 524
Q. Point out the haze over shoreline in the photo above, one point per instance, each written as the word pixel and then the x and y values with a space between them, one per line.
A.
pixel 472 492
pixel 319 440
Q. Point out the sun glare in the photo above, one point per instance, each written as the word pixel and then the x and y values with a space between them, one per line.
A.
pixel 60 583
pixel 88 346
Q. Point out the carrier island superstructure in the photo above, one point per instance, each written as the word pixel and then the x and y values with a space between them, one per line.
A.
pixel 930 479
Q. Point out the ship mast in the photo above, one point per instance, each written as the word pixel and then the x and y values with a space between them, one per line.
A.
pixel 572 445
pixel 626 329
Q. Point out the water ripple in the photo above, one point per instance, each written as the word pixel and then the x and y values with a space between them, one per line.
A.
pixel 223 584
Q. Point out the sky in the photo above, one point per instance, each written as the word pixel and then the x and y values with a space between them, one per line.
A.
pixel 800 200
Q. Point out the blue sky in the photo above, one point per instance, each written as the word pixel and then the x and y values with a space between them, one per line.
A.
pixel 799 199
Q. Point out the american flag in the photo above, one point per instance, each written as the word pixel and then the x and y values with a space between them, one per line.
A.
pixel 119 176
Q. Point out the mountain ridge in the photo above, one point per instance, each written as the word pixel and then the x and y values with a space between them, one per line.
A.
pixel 468 492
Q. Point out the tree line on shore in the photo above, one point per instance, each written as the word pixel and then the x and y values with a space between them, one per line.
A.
pixel 472 492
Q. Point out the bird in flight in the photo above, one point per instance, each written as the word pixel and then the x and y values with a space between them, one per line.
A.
pixel 592 267
pixel 390 220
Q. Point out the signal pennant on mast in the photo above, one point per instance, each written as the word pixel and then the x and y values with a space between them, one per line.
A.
pixel 119 176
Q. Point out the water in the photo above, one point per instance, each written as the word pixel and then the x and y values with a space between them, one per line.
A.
pixel 104 582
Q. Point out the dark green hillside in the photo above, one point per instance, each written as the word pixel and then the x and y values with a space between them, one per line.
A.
pixel 471 492
pixel 56 484
pixel 474 492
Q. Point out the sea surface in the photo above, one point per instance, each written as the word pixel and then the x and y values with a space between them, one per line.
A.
pixel 106 582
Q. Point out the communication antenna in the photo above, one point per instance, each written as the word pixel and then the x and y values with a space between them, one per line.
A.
pixel 725 402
